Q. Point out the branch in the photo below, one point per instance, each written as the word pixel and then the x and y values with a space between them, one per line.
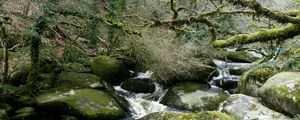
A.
pixel 283 33
pixel 192 19
pixel 260 10
pixel 87 15
pixel 175 12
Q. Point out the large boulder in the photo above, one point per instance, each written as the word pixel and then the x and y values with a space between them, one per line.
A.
pixel 210 115
pixel 84 104
pixel 248 108
pixel 71 80
pixel 282 92
pixel 109 69
pixel 243 56
pixel 253 79
pixel 193 96
pixel 76 67
pixel 138 85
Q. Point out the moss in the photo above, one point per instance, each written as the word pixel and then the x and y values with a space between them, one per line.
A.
pixel 76 67
pixel 248 82
pixel 84 104
pixel 210 115
pixel 240 56
pixel 71 80
pixel 188 87
pixel 212 103
pixel 110 69
pixel 286 32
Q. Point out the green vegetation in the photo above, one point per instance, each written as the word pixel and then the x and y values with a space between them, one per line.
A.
pixel 50 46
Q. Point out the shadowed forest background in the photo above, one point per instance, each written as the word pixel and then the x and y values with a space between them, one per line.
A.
pixel 149 59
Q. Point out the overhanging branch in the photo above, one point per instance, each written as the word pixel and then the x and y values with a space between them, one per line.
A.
pixel 283 33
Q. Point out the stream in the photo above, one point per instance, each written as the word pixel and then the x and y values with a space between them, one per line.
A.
pixel 142 104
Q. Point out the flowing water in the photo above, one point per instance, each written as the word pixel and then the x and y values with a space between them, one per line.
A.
pixel 142 104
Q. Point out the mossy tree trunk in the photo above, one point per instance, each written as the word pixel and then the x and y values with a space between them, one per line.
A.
pixel 34 36
pixel 4 40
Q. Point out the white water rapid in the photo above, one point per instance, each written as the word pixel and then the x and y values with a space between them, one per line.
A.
pixel 142 104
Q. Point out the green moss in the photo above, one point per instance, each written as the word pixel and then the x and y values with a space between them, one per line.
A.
pixel 288 31
pixel 110 69
pixel 212 103
pixel 84 104
pixel 71 80
pixel 210 115
pixel 76 67
pixel 213 115
pixel 189 87
pixel 248 82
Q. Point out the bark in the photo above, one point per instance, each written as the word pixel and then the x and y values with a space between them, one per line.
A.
pixel 3 38
pixel 283 33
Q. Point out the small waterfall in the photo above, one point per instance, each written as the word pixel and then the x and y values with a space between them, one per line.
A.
pixel 225 78
pixel 142 104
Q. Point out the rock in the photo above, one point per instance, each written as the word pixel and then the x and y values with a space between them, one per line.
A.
pixel 138 85
pixel 76 67
pixel 25 110
pixel 83 104
pixel 71 80
pixel 3 115
pixel 248 108
pixel 197 75
pixel 253 79
pixel 243 56
pixel 209 115
pixel 282 92
pixel 26 113
pixel 109 69
pixel 193 96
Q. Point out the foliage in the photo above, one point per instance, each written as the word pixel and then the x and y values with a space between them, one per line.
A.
pixel 72 54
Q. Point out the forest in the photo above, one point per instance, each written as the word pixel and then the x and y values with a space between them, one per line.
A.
pixel 150 60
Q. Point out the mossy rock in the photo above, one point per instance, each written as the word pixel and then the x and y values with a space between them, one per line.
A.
pixel 209 115
pixel 282 92
pixel 72 80
pixel 253 79
pixel 76 67
pixel 249 108
pixel 241 56
pixel 138 85
pixel 85 104
pixel 110 69
pixel 193 96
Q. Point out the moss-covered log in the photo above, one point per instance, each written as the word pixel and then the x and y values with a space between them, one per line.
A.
pixel 261 10
pixel 283 33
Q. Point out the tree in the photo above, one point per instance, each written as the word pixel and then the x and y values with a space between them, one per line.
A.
pixel 290 17
pixel 4 41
